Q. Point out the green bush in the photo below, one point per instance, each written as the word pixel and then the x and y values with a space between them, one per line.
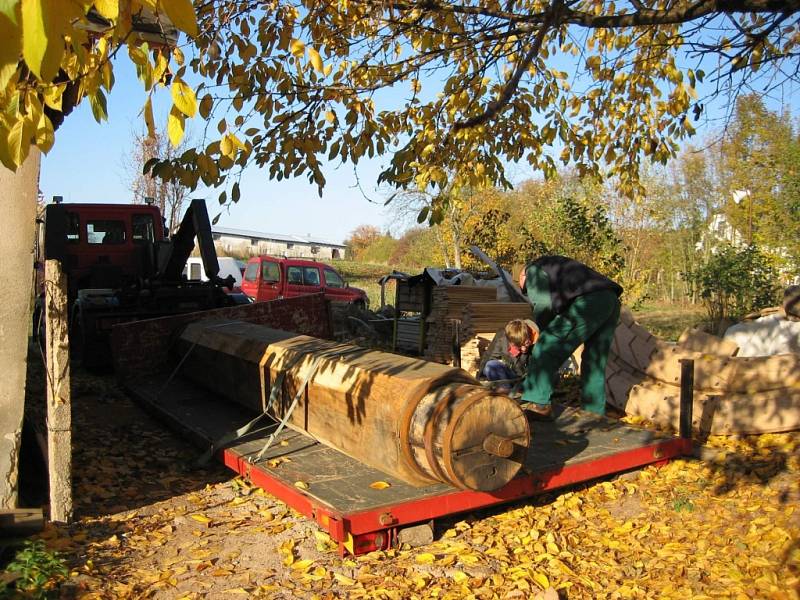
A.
pixel 735 282
pixel 40 571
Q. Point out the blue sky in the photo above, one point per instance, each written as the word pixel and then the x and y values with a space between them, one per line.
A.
pixel 87 165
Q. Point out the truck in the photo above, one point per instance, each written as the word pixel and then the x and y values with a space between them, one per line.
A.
pixel 227 266
pixel 121 265
pixel 270 278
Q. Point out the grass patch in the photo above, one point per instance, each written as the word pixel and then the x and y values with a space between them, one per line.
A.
pixel 366 275
pixel 668 321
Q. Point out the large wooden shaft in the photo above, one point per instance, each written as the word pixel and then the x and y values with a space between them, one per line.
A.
pixel 419 421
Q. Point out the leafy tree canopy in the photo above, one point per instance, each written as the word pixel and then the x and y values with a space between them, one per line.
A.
pixel 435 85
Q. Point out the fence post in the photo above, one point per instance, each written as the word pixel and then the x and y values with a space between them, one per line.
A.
pixel 59 403
pixel 687 397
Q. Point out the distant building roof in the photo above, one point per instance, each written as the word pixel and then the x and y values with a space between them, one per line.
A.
pixel 274 237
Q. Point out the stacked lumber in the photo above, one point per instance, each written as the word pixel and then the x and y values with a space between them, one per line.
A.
pixel 472 351
pixel 484 317
pixel 449 300
pixel 408 332
pixel 447 306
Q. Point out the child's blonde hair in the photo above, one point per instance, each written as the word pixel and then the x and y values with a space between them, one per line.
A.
pixel 517 332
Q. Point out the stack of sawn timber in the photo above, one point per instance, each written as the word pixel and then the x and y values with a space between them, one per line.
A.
pixel 469 313
pixel 480 322
pixel 447 306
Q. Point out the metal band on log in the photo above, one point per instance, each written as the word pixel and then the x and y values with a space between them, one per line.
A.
pixel 420 421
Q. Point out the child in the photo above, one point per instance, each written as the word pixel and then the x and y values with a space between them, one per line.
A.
pixel 506 358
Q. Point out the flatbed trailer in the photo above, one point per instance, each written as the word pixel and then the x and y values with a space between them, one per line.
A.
pixel 335 491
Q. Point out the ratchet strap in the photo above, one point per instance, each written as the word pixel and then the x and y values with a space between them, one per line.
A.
pixel 231 437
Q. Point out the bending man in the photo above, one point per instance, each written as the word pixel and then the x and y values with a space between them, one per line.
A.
pixel 572 305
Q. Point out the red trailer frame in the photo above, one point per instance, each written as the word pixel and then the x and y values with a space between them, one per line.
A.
pixel 577 447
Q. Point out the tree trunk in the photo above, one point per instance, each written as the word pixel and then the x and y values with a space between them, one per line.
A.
pixel 18 214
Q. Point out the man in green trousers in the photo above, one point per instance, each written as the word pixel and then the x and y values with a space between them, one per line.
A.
pixel 572 305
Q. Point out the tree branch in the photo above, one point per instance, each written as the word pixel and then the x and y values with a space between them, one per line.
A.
pixel 511 86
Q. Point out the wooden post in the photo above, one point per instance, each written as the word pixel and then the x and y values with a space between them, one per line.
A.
pixel 687 397
pixel 59 405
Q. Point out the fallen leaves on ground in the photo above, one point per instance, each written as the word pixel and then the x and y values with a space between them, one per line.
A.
pixel 150 526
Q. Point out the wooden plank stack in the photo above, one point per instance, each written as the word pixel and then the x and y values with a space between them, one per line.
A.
pixel 484 317
pixel 408 333
pixel 449 300
pixel 471 315
pixel 472 351
pixel 447 307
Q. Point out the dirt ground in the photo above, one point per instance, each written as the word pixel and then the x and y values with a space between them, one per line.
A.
pixel 150 525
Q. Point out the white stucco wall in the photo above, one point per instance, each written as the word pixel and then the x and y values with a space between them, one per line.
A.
pixel 17 216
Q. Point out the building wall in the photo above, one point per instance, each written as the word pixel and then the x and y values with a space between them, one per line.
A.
pixel 17 213
pixel 245 246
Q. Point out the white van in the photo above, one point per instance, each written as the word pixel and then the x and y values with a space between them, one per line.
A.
pixel 228 265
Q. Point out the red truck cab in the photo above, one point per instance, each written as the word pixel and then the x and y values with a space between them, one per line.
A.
pixel 100 245
pixel 269 278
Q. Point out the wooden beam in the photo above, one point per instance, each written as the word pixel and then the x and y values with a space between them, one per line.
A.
pixel 20 522
pixel 59 404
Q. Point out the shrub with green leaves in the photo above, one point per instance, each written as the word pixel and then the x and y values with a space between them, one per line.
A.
pixel 733 282
pixel 39 572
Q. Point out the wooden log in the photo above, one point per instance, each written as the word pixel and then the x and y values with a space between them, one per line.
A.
pixel 419 421
pixel 697 340
pixel 20 522
pixel 59 407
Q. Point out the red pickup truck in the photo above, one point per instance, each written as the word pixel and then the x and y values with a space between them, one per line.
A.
pixel 268 278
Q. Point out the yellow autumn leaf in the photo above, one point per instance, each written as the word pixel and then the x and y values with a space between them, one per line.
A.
pixel 107 8
pixel 343 579
pixel 183 97
pixel 301 485
pixel 380 485
pixel 460 577
pixel 182 15
pixel 18 142
pixel 200 518
pixel 302 565
pixel 315 59
pixel 148 118
pixel 541 579
pixel 45 134
pixel 425 558
pixel 175 127
pixel 44 22
pixel 297 48
pixel 227 148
